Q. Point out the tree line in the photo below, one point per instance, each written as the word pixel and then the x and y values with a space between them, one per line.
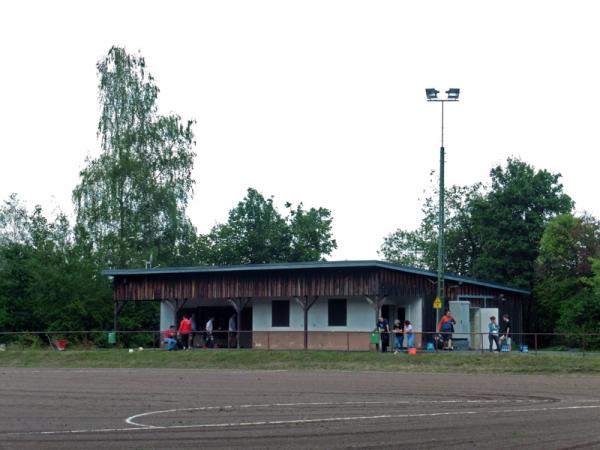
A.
pixel 130 209
pixel 520 229
pixel 130 204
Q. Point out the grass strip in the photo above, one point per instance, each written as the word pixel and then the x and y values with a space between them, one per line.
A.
pixel 306 360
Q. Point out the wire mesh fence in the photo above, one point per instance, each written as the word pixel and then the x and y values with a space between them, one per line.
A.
pixel 300 340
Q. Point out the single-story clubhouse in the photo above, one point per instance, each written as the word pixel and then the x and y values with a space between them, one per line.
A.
pixel 321 305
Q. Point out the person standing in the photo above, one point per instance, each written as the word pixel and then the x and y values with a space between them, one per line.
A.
pixel 232 332
pixel 194 330
pixel 493 334
pixel 505 330
pixel 383 327
pixel 409 333
pixel 446 328
pixel 398 331
pixel 185 331
pixel 209 332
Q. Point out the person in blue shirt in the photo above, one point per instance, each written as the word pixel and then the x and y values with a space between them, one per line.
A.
pixel 493 334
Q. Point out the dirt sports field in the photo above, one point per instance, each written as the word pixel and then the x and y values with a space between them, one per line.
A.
pixel 163 409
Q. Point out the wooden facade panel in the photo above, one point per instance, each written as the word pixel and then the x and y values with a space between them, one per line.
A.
pixel 349 282
pixel 275 284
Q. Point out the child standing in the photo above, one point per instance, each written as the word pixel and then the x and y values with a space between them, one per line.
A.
pixel 408 332
pixel 493 333
pixel 399 335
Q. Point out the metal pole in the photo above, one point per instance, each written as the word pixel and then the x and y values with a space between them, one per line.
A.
pixel 440 268
pixel 116 321
pixel 481 336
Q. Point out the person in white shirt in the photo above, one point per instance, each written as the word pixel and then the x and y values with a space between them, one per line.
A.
pixel 209 332
pixel 232 332
pixel 408 333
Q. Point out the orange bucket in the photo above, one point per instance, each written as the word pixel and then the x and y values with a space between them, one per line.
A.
pixel 412 351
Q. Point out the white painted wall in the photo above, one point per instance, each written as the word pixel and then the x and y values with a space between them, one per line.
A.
pixel 413 307
pixel 360 316
pixel 167 314
pixel 414 313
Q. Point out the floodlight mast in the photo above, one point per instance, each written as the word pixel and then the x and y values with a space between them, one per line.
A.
pixel 452 96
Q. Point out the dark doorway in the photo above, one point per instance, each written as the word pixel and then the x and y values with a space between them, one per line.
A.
pixel 401 314
pixel 221 316
pixel 385 312
pixel 246 328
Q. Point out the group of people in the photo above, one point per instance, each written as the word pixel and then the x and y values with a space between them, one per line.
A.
pixel 399 330
pixel 499 334
pixel 182 338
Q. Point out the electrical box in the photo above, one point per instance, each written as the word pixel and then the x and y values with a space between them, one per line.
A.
pixel 460 311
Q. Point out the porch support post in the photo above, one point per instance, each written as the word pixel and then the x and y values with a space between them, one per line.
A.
pixel 238 304
pixel 306 304
pixel 116 316
pixel 376 301
pixel 179 307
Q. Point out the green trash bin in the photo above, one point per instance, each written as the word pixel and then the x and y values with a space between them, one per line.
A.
pixel 112 338
pixel 374 338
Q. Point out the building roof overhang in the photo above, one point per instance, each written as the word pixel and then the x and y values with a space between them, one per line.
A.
pixel 317 265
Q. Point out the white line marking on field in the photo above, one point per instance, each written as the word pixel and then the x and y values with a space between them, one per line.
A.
pixel 130 420
pixel 302 421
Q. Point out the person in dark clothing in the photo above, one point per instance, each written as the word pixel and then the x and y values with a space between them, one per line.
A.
pixel 384 332
pixel 505 330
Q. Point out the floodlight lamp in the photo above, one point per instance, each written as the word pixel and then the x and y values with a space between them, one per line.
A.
pixel 431 93
pixel 453 93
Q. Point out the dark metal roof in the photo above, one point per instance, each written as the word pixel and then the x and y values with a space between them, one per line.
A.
pixel 308 265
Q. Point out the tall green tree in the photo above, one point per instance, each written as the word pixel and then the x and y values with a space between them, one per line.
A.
pixel 256 233
pixel 46 280
pixel 131 200
pixel 311 233
pixel 508 222
pixel 419 248
pixel 565 300
pixel 492 231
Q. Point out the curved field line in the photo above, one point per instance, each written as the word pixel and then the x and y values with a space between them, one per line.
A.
pixel 131 420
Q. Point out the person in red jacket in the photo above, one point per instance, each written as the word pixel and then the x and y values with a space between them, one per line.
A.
pixel 185 332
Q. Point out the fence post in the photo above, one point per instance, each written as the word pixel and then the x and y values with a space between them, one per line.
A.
pixel 268 340
pixel 481 336
pixel 347 341
pixel 535 342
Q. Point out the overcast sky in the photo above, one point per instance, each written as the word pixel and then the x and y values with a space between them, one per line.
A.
pixel 315 101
